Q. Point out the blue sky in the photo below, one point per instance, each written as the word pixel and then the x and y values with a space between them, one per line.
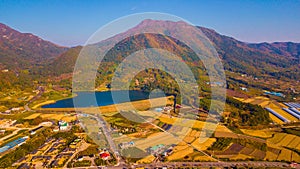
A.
pixel 72 22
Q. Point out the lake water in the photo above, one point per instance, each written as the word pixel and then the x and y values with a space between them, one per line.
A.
pixel 87 99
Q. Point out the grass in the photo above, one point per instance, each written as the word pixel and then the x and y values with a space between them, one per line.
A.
pixel 285 155
pixel 277 138
pixel 257 133
pixel 271 156
pixel 180 153
pixel 205 145
pixel 54 116
pixel 295 157
pixel 43 103
pixel 146 160
pixel 32 116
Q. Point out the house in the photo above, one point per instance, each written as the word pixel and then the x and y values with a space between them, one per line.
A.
pixel 156 149
pixel 125 145
pixel 243 88
pixel 105 155
pixel 63 126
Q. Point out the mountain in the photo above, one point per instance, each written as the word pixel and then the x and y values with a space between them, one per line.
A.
pixel 24 50
pixel 278 60
pixel 44 59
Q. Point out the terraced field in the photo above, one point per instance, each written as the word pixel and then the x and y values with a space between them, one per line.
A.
pixel 285 155
pixel 258 133
pixel 285 140
pixel 266 102
pixel 205 145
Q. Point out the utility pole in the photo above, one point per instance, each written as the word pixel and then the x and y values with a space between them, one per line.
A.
pixel 174 106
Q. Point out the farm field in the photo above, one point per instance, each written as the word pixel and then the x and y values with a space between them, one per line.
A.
pixel 205 145
pixel 266 102
pixel 258 133
pixel 285 140
pixel 180 153
pixel 32 116
pixel 146 160
pixel 161 138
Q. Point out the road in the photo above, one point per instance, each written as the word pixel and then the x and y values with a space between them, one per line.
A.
pixel 107 133
pixel 262 164
pixel 16 130
pixel 41 90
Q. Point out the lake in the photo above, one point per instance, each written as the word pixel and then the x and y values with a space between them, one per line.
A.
pixel 86 99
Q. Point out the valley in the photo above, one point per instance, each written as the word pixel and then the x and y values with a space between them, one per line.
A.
pixel 41 128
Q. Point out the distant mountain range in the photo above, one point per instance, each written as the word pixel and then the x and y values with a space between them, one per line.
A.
pixel 24 51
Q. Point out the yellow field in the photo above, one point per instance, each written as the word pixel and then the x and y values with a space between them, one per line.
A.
pixel 44 103
pixel 287 140
pixel 249 100
pixel 294 143
pixel 295 157
pixel 180 154
pixel 277 138
pixel 33 116
pixel 146 160
pixel 192 123
pixel 271 156
pixel 258 133
pixel 69 118
pixel 279 110
pixel 266 102
pixel 205 145
pixel 275 119
pixel 181 146
pixel 161 138
pixel 285 155
pixel 189 139
pixel 240 157
pixel 52 116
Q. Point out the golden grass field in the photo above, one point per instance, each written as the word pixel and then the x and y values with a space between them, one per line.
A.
pixel 271 156
pixel 146 160
pixel 240 157
pixel 258 133
pixel 161 138
pixel 204 145
pixel 285 155
pixel 42 104
pixel 179 154
pixel 33 116
pixel 266 102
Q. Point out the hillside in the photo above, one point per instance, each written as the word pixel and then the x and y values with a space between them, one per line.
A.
pixel 24 50
pixel 278 60
pixel 38 58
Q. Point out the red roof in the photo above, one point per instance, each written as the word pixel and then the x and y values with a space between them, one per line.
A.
pixel 104 155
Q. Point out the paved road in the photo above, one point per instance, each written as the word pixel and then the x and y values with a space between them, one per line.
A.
pixel 107 132
pixel 41 91
pixel 262 164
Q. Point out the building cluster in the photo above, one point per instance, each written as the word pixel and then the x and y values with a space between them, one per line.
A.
pixel 6 123
pixel 62 126
pixel 126 145
pixel 13 110
pixel 52 153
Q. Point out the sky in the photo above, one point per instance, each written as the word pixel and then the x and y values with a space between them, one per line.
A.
pixel 72 22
